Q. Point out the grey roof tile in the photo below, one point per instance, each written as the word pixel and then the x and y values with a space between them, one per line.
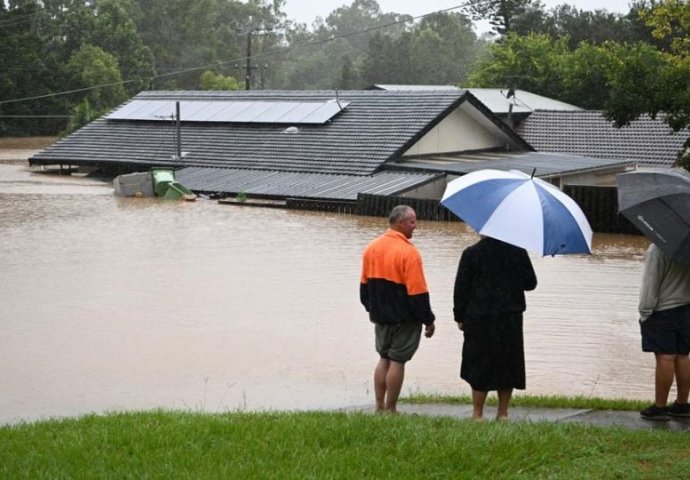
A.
pixel 648 142
pixel 543 164
pixel 302 185
pixel 374 127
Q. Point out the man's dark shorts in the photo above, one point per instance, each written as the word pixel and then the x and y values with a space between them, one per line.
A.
pixel 398 342
pixel 667 331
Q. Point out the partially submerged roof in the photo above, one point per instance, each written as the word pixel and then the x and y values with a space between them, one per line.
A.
pixel 271 184
pixel 366 130
pixel 647 142
pixel 542 164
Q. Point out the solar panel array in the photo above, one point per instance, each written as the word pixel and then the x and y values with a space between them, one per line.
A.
pixel 256 111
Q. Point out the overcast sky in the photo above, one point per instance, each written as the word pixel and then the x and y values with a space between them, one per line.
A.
pixel 305 11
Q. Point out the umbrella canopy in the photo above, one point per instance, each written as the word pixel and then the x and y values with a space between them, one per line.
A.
pixel 657 202
pixel 518 209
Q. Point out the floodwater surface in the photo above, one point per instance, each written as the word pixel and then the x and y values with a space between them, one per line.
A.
pixel 110 304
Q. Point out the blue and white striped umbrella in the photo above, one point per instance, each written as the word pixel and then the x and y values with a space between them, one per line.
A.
pixel 521 210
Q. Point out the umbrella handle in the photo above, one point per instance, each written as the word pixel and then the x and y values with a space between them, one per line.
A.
pixel 533 170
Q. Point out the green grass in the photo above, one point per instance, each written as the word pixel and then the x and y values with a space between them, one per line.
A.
pixel 555 401
pixel 321 445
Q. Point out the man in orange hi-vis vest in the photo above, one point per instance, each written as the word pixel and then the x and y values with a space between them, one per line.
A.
pixel 393 290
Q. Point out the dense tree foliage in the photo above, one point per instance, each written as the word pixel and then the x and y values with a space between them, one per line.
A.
pixel 580 25
pixel 657 81
pixel 95 53
pixel 80 58
pixel 585 77
pixel 624 78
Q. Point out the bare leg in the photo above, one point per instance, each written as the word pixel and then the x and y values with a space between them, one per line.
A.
pixel 682 366
pixel 394 383
pixel 478 401
pixel 503 403
pixel 663 378
pixel 380 374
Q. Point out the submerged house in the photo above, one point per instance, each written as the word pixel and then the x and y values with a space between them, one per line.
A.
pixel 329 145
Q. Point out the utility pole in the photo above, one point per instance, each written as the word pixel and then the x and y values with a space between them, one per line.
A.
pixel 248 67
pixel 248 63
pixel 179 134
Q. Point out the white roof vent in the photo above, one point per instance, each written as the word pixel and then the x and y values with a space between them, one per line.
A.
pixel 292 129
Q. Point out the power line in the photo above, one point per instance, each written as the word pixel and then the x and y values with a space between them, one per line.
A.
pixel 37 97
pixel 35 116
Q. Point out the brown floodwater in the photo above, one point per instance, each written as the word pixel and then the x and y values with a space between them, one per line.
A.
pixel 110 304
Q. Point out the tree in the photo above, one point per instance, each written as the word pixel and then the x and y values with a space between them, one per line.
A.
pixel 115 31
pixel 655 81
pixel 385 61
pixel 82 115
pixel 439 50
pixel 92 67
pixel 444 49
pixel 30 68
pixel 499 13
pixel 360 16
pixel 594 27
pixel 585 76
pixel 348 75
pixel 669 21
pixel 218 81
pixel 532 63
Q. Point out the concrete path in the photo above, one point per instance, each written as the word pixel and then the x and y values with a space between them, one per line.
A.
pixel 602 418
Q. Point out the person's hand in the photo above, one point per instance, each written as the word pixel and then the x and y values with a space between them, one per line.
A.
pixel 429 330
pixel 461 326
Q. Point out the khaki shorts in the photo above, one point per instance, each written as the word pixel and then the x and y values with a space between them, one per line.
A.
pixel 398 342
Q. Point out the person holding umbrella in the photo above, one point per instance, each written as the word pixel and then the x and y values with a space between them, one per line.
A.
pixel 393 291
pixel 657 202
pixel 665 327
pixel 488 302
pixel 513 212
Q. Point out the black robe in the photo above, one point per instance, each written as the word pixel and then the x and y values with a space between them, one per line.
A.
pixel 489 298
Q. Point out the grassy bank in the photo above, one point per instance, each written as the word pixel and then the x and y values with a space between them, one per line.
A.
pixel 554 401
pixel 332 445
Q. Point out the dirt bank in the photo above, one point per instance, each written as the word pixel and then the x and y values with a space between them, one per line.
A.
pixel 19 149
pixel 25 143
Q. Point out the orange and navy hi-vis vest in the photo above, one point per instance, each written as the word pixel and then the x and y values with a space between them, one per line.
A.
pixel 392 287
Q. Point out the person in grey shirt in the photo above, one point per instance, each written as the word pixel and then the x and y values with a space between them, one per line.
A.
pixel 665 327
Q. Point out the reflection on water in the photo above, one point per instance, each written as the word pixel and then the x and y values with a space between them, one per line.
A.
pixel 109 303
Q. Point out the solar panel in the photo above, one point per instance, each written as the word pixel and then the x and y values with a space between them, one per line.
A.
pixel 209 111
pixel 229 111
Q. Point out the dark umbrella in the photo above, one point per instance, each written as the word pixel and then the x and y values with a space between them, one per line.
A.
pixel 657 202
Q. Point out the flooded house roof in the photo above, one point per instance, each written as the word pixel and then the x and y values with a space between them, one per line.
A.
pixel 647 142
pixel 364 130
pixel 271 184
pixel 317 144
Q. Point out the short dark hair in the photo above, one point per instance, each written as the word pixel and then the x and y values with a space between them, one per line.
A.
pixel 398 213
